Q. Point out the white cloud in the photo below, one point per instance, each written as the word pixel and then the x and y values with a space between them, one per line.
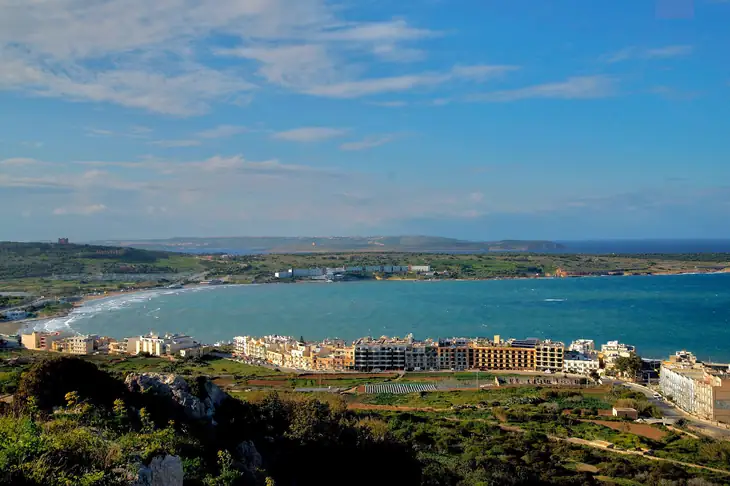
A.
pixel 150 55
pixel 18 161
pixel 175 143
pixel 309 134
pixel 367 143
pixel 366 87
pixel 80 210
pixel 664 52
pixel 582 87
pixel 389 104
pixel 222 131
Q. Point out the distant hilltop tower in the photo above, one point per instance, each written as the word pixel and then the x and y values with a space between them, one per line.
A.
pixel 63 241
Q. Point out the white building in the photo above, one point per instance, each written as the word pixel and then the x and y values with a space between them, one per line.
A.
pixel 575 362
pixel 284 274
pixel 680 386
pixel 307 272
pixel 613 350
pixel 583 346
pixel 169 344
pixel 420 268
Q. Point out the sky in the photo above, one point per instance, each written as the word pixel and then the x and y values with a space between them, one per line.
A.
pixel 476 119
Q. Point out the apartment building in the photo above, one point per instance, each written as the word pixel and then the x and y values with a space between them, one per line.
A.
pixel 80 344
pixel 585 347
pixel 41 341
pixel 613 350
pixel 382 354
pixel 549 356
pixel 579 363
pixel 500 355
pixel 169 344
pixel 698 390
pixel 422 356
pixel 453 354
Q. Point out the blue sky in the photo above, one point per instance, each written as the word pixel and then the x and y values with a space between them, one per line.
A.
pixel 475 119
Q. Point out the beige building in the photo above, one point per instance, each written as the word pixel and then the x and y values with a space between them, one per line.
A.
pixel 549 356
pixel 80 344
pixel 40 341
pixel 500 355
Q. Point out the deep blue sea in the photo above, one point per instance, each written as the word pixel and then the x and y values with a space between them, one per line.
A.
pixel 658 314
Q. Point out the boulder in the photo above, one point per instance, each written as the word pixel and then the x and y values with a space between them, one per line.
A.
pixel 249 456
pixel 178 390
pixel 161 471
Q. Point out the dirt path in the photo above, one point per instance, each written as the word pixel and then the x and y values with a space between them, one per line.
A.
pixel 512 428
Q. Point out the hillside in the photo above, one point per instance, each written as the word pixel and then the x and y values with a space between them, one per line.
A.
pixel 28 260
pixel 331 244
pixel 74 423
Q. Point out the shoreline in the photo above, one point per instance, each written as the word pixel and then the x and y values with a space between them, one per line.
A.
pixel 16 327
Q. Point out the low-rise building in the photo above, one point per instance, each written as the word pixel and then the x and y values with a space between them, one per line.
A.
pixel 167 345
pixel 625 412
pixel 41 341
pixel 586 347
pixel 81 344
pixel 579 363
pixel 613 350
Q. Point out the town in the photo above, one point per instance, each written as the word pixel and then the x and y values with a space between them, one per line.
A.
pixel 701 389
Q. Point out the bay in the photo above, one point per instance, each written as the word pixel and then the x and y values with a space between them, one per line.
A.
pixel 658 314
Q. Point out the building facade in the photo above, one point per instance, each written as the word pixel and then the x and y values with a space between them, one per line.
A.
pixel 549 356
pixel 697 390
pixel 500 355
pixel 579 363
pixel 453 354
pixel 586 347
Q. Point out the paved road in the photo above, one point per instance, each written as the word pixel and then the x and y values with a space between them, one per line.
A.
pixel 673 412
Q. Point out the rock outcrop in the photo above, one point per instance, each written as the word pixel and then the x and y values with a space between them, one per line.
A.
pixel 161 471
pixel 249 456
pixel 198 404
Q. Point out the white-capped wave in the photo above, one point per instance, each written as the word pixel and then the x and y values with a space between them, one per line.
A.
pixel 107 304
pixel 554 300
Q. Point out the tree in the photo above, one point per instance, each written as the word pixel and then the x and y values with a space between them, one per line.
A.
pixel 594 376
pixel 628 366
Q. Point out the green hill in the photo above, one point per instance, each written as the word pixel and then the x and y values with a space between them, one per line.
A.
pixel 332 244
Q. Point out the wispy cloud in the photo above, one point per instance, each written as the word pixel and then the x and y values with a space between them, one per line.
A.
pixel 310 134
pixel 175 143
pixel 86 210
pixel 223 131
pixel 664 52
pixel 18 162
pixel 367 143
pixel 32 144
pixel 367 87
pixel 389 104
pixel 582 87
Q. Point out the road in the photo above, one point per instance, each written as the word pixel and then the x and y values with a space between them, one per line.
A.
pixel 673 412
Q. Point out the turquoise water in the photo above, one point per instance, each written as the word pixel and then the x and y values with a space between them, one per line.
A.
pixel 657 314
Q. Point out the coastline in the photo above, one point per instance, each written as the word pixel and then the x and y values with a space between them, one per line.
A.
pixel 15 327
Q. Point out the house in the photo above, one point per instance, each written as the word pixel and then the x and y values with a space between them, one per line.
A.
pixel 625 412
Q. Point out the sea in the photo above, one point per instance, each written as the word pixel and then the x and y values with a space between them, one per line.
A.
pixel 658 314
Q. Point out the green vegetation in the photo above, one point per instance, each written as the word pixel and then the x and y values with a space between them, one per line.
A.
pixel 260 268
pixel 339 244
pixel 101 433
pixel 57 270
